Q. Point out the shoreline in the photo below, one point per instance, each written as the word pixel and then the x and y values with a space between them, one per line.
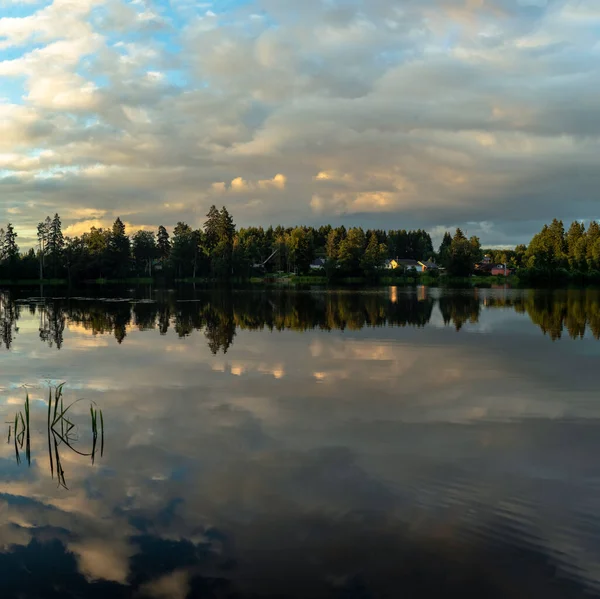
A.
pixel 292 281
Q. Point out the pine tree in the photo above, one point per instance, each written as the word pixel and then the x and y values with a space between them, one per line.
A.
pixel 444 251
pixel 118 229
pixel 163 244
pixel 182 250
pixel 222 253
pixel 558 240
pixel 225 227
pixel 211 228
pixel 119 249
pixel 593 235
pixel 56 243
pixel 43 231
pixel 476 254
pixel 575 234
pixel 11 250
pixel 56 240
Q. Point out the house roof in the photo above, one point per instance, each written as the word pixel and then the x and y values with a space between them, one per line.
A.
pixel 484 266
pixel 428 264
pixel 407 262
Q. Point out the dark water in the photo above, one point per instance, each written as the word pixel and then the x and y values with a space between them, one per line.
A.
pixel 392 443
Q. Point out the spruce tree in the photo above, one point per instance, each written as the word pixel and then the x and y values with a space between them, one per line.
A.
pixel 163 244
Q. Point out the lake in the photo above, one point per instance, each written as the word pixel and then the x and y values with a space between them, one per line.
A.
pixel 338 444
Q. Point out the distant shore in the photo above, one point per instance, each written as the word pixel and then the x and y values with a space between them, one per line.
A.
pixel 280 280
pixel 293 280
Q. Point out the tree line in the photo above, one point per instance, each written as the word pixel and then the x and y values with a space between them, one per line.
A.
pixel 559 253
pixel 219 250
pixel 556 254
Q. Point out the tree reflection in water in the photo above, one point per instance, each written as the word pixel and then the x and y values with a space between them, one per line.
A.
pixel 220 313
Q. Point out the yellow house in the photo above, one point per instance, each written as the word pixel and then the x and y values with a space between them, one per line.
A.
pixel 405 263
pixel 425 266
pixel 410 264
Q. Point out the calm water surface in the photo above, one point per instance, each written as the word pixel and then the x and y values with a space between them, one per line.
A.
pixel 391 443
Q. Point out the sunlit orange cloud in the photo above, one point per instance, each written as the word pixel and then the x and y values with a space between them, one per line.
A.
pixel 84 226
pixel 240 185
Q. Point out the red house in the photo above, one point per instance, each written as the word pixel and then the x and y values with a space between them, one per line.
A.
pixel 501 269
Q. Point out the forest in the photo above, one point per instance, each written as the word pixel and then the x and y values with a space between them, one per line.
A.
pixel 218 250
pixel 221 251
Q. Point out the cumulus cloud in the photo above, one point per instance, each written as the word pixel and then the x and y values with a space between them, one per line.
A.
pixel 391 114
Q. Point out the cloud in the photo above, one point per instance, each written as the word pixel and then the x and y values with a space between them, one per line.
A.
pixel 171 586
pixel 240 185
pixel 83 226
pixel 103 560
pixel 389 114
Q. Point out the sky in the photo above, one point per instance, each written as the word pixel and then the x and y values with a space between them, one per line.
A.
pixel 483 114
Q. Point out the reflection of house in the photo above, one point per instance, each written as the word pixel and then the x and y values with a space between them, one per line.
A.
pixel 317 264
